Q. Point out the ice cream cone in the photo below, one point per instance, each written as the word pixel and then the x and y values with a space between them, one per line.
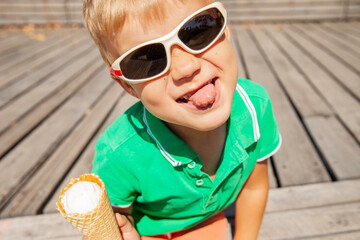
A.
pixel 100 223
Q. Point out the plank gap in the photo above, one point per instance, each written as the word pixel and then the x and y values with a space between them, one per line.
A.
pixel 40 78
pixel 321 46
pixel 42 113
pixel 319 63
pixel 275 172
pixel 91 138
pixel 317 150
pixel 301 72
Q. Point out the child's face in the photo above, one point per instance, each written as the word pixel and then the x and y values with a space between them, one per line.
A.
pixel 197 90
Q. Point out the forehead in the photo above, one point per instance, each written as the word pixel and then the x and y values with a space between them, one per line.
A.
pixel 139 28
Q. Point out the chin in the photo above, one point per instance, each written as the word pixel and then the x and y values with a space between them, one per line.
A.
pixel 210 124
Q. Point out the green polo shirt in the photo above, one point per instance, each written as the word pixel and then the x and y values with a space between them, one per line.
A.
pixel 144 164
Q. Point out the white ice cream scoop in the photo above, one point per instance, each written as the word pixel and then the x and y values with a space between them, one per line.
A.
pixel 84 202
pixel 81 198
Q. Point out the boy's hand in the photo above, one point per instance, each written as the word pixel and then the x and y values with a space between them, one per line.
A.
pixel 127 230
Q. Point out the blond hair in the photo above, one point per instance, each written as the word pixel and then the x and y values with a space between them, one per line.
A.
pixel 104 18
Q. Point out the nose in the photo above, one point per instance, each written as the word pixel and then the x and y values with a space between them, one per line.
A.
pixel 183 64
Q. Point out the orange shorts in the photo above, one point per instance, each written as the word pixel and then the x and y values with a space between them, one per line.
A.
pixel 216 228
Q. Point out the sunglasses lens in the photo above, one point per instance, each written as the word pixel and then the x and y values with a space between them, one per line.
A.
pixel 202 29
pixel 144 62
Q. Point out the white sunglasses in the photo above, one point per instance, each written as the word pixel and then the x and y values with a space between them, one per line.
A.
pixel 151 59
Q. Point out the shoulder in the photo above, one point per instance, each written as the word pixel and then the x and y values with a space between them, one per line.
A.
pixel 255 93
pixel 253 89
pixel 117 145
pixel 124 128
pixel 120 139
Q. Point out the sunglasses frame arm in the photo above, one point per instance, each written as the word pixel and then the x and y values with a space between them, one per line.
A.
pixel 115 73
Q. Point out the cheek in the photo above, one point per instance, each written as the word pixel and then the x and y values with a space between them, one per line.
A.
pixel 153 93
pixel 230 56
pixel 230 61
pixel 225 58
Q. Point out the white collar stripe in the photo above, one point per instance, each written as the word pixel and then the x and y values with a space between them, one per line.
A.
pixel 251 109
pixel 166 155
pixel 249 106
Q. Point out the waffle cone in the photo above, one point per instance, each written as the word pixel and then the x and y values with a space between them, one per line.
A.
pixel 99 224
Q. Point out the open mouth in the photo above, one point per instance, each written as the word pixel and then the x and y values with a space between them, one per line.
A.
pixel 202 98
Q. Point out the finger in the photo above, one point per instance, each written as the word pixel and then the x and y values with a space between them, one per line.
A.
pixel 124 223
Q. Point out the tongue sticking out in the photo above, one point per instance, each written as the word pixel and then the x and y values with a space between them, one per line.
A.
pixel 204 97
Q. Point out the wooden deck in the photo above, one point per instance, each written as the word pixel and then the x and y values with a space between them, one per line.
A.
pixel 70 12
pixel 56 97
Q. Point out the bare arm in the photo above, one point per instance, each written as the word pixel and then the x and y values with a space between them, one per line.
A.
pixel 251 203
pixel 125 222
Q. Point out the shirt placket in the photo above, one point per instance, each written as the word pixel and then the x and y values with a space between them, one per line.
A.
pixel 203 184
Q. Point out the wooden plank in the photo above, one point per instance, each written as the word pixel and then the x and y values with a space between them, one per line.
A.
pixel 313 222
pixel 237 18
pixel 38 42
pixel 313 195
pixel 345 105
pixel 305 98
pixel 340 40
pixel 36 7
pixel 297 151
pixel 84 164
pixel 7 35
pixel 38 1
pixel 310 196
pixel 352 28
pixel 31 197
pixel 20 128
pixel 340 149
pixel 41 13
pixel 288 10
pixel 343 35
pixel 14 42
pixel 31 49
pixel 38 74
pixel 272 178
pixel 326 60
pixel 11 44
pixel 328 45
pixel 18 108
pixel 353 12
pixel 42 227
pixel 18 164
pixel 282 2
pixel 32 225
pixel 353 235
pixel 22 69
pixel 34 18
pixel 23 21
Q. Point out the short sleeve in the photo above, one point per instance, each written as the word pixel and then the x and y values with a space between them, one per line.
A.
pixel 270 138
pixel 119 181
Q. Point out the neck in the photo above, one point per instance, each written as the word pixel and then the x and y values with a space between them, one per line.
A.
pixel 208 145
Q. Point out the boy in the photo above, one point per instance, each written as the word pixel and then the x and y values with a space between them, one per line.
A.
pixel 175 160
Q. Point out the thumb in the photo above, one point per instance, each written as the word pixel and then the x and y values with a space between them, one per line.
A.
pixel 126 228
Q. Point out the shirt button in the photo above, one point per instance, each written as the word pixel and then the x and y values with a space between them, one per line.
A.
pixel 191 165
pixel 199 182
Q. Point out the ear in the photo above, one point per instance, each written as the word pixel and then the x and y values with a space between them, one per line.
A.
pixel 227 32
pixel 126 86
